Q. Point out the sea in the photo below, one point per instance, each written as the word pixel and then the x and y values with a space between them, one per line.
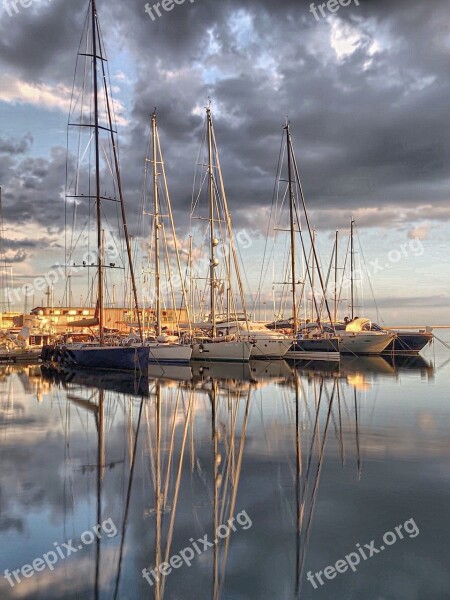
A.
pixel 264 481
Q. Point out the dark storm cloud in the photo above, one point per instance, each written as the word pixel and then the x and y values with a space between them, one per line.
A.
pixel 32 189
pixel 13 147
pixel 39 42
pixel 367 126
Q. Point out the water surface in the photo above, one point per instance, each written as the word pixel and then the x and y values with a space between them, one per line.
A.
pixel 309 461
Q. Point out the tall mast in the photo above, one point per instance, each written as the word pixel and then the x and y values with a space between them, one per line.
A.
pixel 212 266
pixel 97 173
pixel 292 223
pixel 156 227
pixel 313 278
pixel 5 302
pixel 121 198
pixel 335 274
pixel 352 270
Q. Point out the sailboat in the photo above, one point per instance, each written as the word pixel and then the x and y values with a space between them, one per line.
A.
pixel 317 344
pixel 356 337
pixel 400 342
pixel 95 92
pixel 164 349
pixel 210 345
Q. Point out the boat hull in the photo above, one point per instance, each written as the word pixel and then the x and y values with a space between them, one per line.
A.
pixel 222 351
pixel 169 354
pixel 269 348
pixel 114 358
pixel 364 343
pixel 407 344
pixel 314 349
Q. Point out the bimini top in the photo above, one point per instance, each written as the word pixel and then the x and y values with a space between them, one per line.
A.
pixel 357 325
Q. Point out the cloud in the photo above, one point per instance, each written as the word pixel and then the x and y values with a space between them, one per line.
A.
pixel 18 146
pixel 366 94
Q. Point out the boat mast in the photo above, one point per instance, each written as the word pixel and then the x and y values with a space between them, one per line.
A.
pixel 352 270
pixel 5 305
pixel 292 223
pixel 335 274
pixel 212 266
pixel 96 36
pixel 313 246
pixel 313 279
pixel 97 175
pixel 156 227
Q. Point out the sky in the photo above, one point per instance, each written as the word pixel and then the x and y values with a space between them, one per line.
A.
pixel 365 89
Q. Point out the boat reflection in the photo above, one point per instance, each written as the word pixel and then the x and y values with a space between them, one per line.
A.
pixel 120 382
pixel 173 462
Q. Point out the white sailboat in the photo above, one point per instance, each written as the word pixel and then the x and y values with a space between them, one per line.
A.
pixel 355 334
pixel 210 345
pixel 266 343
pixel 164 349
pixel 321 345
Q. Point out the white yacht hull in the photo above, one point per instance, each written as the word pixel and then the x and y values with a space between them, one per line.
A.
pixel 269 348
pixel 222 351
pixel 169 354
pixel 365 342
pixel 265 342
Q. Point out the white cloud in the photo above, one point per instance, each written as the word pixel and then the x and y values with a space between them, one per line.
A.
pixel 47 96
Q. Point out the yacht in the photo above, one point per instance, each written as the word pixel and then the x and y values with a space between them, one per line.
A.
pixel 265 343
pixel 354 338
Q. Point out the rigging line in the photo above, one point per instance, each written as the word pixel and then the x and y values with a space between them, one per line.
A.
pixel 122 204
pixel 343 271
pixel 319 272
pixel 228 223
pixel 171 449
pixel 177 486
pixel 308 271
pixel 194 202
pixel 82 229
pixel 304 283
pixel 151 453
pixel 316 483
pixel 341 439
pixel 313 440
pixel 379 318
pixel 327 280
pixel 230 451
pixel 274 196
pixel 67 135
pixel 236 480
pixel 127 506
pixel 174 234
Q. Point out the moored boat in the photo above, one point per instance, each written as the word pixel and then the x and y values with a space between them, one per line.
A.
pixel 100 354
pixel 405 343
pixel 227 350
pixel 265 343
pixel 310 348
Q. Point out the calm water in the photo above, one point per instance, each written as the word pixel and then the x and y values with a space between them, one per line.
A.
pixel 310 462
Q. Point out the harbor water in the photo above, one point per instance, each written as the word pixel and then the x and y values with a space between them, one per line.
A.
pixel 264 481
